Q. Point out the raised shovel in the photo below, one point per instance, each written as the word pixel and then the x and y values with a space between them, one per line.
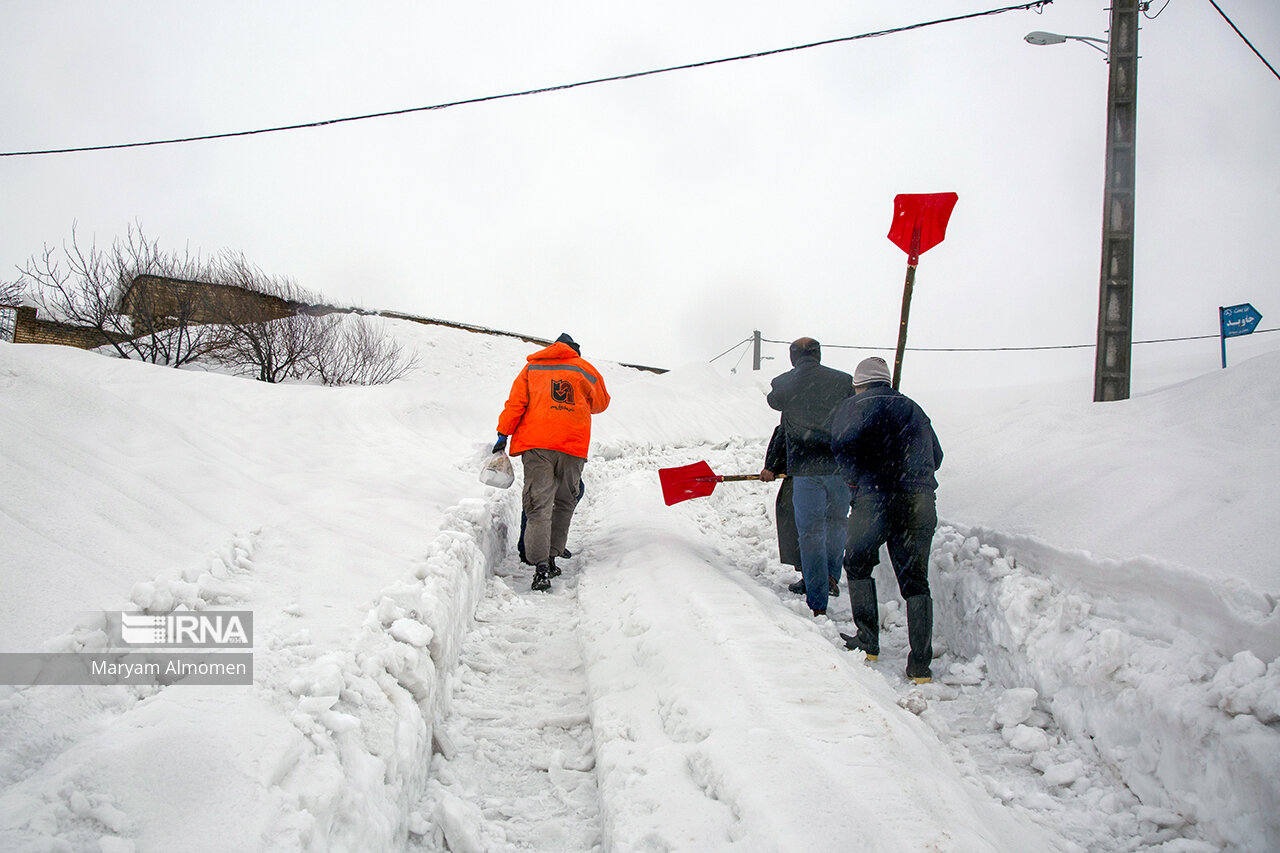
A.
pixel 695 481
pixel 919 224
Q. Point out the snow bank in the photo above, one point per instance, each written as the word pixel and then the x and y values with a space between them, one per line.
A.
pixel 327 751
pixel 1185 475
pixel 140 487
pixel 1190 728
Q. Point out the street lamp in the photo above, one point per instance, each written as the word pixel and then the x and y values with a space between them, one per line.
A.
pixel 1112 359
pixel 1040 38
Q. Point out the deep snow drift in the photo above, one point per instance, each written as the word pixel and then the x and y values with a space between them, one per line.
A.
pixel 1105 579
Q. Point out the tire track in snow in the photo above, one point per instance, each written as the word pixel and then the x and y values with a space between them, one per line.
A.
pixel 514 764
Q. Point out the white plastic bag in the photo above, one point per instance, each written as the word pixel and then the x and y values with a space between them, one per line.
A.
pixel 496 471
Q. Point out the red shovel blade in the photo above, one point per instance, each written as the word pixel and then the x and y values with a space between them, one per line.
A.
pixel 688 481
pixel 924 213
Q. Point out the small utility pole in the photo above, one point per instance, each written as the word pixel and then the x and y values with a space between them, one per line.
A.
pixel 1112 365
pixel 755 356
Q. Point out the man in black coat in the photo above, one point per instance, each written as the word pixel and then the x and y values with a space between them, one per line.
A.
pixel 886 447
pixel 807 395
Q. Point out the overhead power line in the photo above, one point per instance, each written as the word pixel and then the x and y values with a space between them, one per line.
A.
pixel 1037 4
pixel 1002 349
pixel 1246 41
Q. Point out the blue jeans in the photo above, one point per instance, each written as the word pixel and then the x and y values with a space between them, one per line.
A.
pixel 821 505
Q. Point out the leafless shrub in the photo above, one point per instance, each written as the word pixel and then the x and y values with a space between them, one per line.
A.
pixel 360 354
pixel 271 350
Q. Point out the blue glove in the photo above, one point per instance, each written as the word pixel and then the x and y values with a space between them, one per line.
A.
pixel 501 444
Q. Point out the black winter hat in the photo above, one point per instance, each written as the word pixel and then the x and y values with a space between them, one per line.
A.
pixel 565 339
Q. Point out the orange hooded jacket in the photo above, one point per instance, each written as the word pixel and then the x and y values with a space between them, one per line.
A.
pixel 552 401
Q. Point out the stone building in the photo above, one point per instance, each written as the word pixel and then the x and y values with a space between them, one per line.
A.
pixel 155 302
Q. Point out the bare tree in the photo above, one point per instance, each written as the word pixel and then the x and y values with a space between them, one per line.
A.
pixel 271 349
pixel 85 286
pixel 196 309
pixel 275 350
pixel 12 292
pixel 336 350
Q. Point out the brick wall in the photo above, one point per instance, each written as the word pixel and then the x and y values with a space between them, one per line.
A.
pixel 32 330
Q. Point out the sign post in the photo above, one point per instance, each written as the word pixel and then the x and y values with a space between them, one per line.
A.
pixel 919 224
pixel 1234 321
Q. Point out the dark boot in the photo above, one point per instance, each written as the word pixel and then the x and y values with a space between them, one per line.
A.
pixel 552 569
pixel 797 587
pixel 541 577
pixel 866 618
pixel 920 635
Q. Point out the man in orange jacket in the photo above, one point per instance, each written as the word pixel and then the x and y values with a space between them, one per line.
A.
pixel 548 419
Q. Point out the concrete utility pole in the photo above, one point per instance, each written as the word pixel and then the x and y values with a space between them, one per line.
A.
pixel 755 358
pixel 1115 299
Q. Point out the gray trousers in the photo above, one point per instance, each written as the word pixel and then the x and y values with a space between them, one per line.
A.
pixel 550 494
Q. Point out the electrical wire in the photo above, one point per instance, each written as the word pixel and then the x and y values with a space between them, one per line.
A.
pixel 1036 5
pixel 1150 17
pixel 1007 349
pixel 732 348
pixel 1246 41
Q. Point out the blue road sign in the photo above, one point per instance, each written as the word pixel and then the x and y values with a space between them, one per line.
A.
pixel 1239 320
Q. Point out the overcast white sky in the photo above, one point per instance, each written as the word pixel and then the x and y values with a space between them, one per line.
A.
pixel 661 220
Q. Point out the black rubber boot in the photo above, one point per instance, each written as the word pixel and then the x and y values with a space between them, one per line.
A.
pixel 866 618
pixel 541 577
pixel 920 635
pixel 552 569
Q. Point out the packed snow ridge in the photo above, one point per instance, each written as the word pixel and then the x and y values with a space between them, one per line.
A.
pixel 1108 638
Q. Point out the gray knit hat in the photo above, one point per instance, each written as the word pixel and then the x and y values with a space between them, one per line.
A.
pixel 873 369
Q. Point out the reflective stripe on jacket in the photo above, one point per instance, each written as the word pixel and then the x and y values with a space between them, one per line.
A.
pixel 552 401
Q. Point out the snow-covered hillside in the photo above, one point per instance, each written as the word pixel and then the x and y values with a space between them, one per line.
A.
pixel 1105 576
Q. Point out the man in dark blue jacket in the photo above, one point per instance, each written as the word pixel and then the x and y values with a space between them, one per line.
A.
pixel 807 395
pixel 886 447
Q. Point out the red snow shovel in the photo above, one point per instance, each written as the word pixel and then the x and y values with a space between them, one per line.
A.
pixel 695 481
pixel 919 224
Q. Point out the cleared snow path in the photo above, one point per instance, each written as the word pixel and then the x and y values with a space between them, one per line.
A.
pixel 751 652
pixel 724 721
pixel 514 760
pixel 671 694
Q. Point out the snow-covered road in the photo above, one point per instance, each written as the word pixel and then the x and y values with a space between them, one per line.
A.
pixel 723 716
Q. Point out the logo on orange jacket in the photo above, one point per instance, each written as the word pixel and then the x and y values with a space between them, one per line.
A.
pixel 562 391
